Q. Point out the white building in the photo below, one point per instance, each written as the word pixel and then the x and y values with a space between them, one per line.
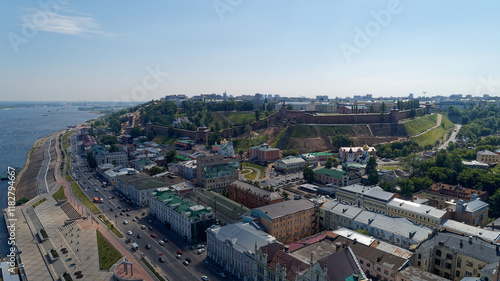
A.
pixel 356 154
pixel 290 164
pixel 187 169
pixel 233 247
pixel 187 220
pixel 138 187
pixel 310 159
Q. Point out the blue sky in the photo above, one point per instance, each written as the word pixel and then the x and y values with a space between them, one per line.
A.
pixel 143 50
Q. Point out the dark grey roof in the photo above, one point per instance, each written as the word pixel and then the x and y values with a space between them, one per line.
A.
pixel 477 248
pixel 270 195
pixel 416 274
pixel 285 208
pixel 370 191
pixel 341 265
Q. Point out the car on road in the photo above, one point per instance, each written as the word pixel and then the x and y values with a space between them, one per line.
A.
pixel 153 235
pixel 136 217
pixel 148 246
pixel 188 260
pixel 200 251
pixel 165 240
pixel 139 236
pixel 119 207
pixel 143 227
pixel 161 259
pixel 129 232
pixel 178 257
pixel 128 214
pixel 222 274
pixel 161 242
pixel 200 246
pixel 179 252
pixel 150 227
pixel 125 222
pixel 204 278
pixel 111 209
pixel 186 263
pixel 116 215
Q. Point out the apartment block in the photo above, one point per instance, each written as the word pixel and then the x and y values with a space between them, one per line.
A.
pixel 487 157
pixel 263 153
pixel 216 172
pixel 421 214
pixel 336 177
pixel 138 186
pixel 252 196
pixel 372 198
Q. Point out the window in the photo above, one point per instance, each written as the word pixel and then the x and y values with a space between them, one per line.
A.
pixel 437 261
pixel 438 253
pixel 449 256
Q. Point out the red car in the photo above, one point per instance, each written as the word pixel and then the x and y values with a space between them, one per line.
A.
pixel 153 235
pixel 179 252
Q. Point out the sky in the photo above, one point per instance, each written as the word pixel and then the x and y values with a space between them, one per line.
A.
pixel 125 50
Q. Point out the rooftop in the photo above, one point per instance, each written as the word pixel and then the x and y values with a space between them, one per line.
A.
pixel 416 274
pixel 486 152
pixel 334 173
pixel 416 208
pixel 370 191
pixel 473 247
pixel 242 236
pixel 141 181
pixel 220 204
pixel 343 210
pixel 291 160
pixel 469 230
pixel 181 206
pixel 398 226
pixel 270 195
pixel 282 209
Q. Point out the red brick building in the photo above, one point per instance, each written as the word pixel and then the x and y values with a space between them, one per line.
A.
pixel 263 153
pixel 251 196
pixel 456 191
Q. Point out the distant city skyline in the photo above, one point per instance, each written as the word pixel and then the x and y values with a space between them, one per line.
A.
pixel 95 51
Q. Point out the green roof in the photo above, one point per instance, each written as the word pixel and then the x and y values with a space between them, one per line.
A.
pixel 331 173
pixel 221 204
pixel 182 157
pixel 185 141
pixel 180 206
pixel 322 153
pixel 144 162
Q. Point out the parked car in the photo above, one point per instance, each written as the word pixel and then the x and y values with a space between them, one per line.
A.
pixel 161 259
pixel 129 232
pixel 200 251
pixel 186 263
pixel 143 227
pixel 148 246
pixel 204 278
pixel 178 257
pixel 153 235
pixel 161 242
pixel 179 252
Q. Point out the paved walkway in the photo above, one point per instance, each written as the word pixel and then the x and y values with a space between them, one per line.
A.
pixel 77 238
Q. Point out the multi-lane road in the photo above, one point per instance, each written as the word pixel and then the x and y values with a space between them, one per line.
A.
pixel 113 205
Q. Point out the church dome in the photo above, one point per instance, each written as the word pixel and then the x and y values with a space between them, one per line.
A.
pixel 366 147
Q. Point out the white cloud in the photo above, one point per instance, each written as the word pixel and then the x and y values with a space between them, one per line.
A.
pixel 49 21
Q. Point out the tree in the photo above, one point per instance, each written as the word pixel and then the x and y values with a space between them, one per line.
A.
pixel 405 186
pixel 308 174
pixel 285 194
pixel 155 170
pixel 290 152
pixel 170 156
pixel 382 111
pixel 257 115
pixel 135 132
pixel 341 141
pixel 114 148
pixel 371 169
pixel 109 140
pixel 151 135
pixel 331 162
pixel 413 113
pixel 91 160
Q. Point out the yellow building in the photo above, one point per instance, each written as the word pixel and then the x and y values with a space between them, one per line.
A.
pixel 289 221
pixel 417 213
pixel 455 256
pixel 487 157
pixel 371 198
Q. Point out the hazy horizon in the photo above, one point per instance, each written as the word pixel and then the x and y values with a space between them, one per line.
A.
pixel 94 51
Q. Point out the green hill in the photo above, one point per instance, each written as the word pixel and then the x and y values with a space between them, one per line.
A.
pixel 416 126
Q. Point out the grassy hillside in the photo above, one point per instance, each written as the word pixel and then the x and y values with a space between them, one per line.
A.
pixel 340 130
pixel 421 124
pixel 303 132
pixel 435 134
pixel 240 118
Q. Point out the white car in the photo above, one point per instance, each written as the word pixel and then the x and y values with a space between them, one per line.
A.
pixel 161 242
pixel 125 222
pixel 129 232
pixel 204 278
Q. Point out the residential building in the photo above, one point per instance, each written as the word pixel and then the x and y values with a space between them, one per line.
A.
pixel 226 210
pixel 272 263
pixel 216 172
pixel 290 164
pixel 252 196
pixel 487 157
pixel 374 263
pixel 469 230
pixel 357 154
pixel 138 186
pixel 225 148
pixel 421 214
pixel 372 198
pixel 187 169
pixel 474 212
pixel 412 273
pixel 183 188
pixel 476 165
pixel 289 220
pixel 354 167
pixel 454 256
pixel 339 266
pixel 322 156
pixel 263 153
pixel 334 214
pixel 189 221
pixel 311 159
pixel 336 177
pixel 399 231
pixel 233 247
pixel 450 192
pixel 102 156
